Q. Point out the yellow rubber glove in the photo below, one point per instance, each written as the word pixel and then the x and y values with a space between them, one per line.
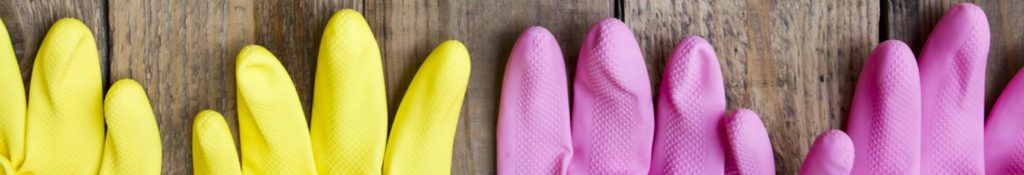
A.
pixel 349 123
pixel 424 129
pixel 348 133
pixel 61 128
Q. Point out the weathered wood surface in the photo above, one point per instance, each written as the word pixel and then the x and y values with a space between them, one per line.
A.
pixel 795 62
pixel 183 54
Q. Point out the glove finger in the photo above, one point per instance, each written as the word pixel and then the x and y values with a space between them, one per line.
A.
pixel 953 88
pixel 1004 136
pixel 691 106
pixel 832 153
pixel 533 122
pixel 132 145
pixel 65 114
pixel 748 149
pixel 12 105
pixel 424 129
pixel 350 116
pixel 613 114
pixel 274 136
pixel 884 122
pixel 213 150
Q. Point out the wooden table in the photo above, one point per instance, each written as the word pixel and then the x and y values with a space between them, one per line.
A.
pixel 795 62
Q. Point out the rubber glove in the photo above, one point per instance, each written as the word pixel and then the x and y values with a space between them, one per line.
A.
pixel 905 121
pixel 613 130
pixel 348 130
pixel 1004 150
pixel 689 138
pixel 533 132
pixel 884 124
pixel 613 114
pixel 60 130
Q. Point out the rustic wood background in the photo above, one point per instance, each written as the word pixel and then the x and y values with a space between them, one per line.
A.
pixel 793 61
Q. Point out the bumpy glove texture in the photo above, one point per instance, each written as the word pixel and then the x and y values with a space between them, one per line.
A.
pixel 349 123
pixel 612 129
pixel 820 161
pixel 424 130
pixel 66 126
pixel 952 66
pixel 348 132
pixel 533 120
pixel 613 112
pixel 925 117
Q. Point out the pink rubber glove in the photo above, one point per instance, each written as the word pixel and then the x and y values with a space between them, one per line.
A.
pixel 884 123
pixel 613 123
pixel 613 128
pixel 1004 134
pixel 691 108
pixel 533 120
pixel 929 122
pixel 613 114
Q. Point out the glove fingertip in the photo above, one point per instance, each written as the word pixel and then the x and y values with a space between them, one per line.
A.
pixel 348 41
pixel 691 106
pixel 952 68
pixel 885 114
pixel 213 149
pixel 454 54
pixel 613 112
pixel 66 92
pixel 133 138
pixel 349 117
pixel 749 149
pixel 430 111
pixel 533 133
pixel 344 15
pixel 832 153
pixel 208 119
pixel 126 93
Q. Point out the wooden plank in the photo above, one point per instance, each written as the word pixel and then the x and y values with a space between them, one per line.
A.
pixel 912 22
pixel 795 62
pixel 28 21
pixel 408 30
pixel 183 55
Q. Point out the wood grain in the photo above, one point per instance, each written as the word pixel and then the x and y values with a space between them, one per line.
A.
pixel 183 55
pixel 794 62
pixel 912 22
pixel 28 21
